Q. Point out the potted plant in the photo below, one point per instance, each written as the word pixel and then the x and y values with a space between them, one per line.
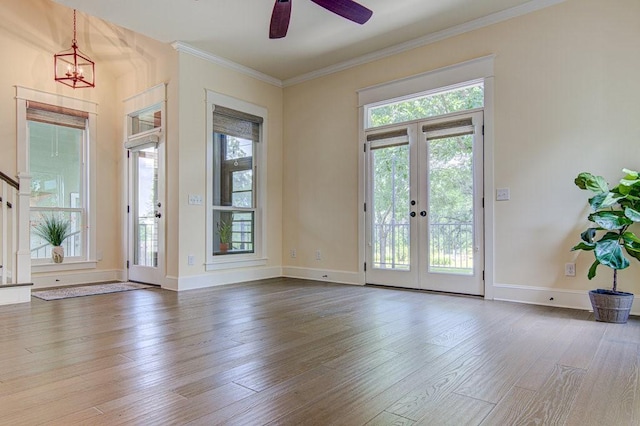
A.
pixel 224 232
pixel 54 230
pixel 614 211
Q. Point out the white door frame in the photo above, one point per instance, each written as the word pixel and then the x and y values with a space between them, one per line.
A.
pixel 153 97
pixel 419 275
pixel 479 68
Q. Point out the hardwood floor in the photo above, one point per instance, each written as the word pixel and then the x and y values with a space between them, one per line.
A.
pixel 293 352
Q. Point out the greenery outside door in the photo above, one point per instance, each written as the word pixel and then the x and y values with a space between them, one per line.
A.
pixel 424 214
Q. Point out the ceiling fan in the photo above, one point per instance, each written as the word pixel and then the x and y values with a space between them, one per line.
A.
pixel 348 9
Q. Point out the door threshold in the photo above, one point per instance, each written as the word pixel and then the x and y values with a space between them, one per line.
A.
pixel 445 293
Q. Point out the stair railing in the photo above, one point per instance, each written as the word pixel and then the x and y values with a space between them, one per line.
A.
pixel 8 228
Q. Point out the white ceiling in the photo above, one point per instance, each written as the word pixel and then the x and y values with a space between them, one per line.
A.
pixel 237 30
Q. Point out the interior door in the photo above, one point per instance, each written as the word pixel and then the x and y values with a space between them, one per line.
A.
pixel 424 214
pixel 145 212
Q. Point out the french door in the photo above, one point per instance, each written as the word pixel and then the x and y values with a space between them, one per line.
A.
pixel 424 212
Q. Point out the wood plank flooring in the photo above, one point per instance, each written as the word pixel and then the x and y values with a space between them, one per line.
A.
pixel 294 352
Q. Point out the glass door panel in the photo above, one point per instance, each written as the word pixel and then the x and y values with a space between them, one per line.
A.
pixel 145 207
pixel 450 212
pixel 390 205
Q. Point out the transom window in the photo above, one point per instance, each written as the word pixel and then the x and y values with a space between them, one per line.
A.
pixel 461 97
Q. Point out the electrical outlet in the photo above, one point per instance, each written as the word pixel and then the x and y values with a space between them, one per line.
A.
pixel 293 253
pixel 191 260
pixel 318 255
pixel 570 269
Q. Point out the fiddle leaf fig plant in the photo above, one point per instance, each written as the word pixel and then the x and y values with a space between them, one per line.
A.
pixel 614 211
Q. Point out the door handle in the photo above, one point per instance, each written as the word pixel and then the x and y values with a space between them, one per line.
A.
pixel 412 214
pixel 423 213
pixel 158 215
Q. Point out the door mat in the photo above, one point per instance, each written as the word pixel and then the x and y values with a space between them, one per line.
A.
pixel 87 290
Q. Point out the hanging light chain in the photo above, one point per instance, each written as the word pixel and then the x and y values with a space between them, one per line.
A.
pixel 74 27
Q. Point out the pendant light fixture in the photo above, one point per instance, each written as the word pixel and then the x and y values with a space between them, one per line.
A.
pixel 72 67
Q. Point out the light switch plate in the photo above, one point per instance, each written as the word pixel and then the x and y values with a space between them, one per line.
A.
pixel 195 199
pixel 503 194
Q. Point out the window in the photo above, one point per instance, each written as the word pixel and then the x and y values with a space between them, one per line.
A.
pixel 57 139
pixel 56 160
pixel 462 97
pixel 235 177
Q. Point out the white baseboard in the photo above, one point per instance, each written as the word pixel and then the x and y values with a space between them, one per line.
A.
pixel 11 294
pixel 170 283
pixel 63 278
pixel 340 277
pixel 575 299
pixel 219 278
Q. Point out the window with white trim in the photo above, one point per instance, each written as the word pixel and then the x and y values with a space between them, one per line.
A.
pixel 235 176
pixel 58 158
pixel 57 147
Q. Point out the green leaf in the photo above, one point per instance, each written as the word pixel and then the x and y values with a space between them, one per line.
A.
pixel 588 235
pixel 635 253
pixel 611 199
pixel 632 177
pixel 596 201
pixel 584 246
pixel 610 219
pixel 630 237
pixel 592 269
pixel 610 236
pixel 631 244
pixel 609 253
pixel 53 230
pixel 593 183
pixel 632 214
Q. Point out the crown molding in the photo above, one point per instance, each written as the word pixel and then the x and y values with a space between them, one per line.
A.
pixel 485 21
pixel 514 12
pixel 186 48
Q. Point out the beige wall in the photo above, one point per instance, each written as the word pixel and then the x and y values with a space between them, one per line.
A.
pixel 197 76
pixel 30 34
pixel 566 92
pixel 128 64
pixel 565 101
pixel 154 63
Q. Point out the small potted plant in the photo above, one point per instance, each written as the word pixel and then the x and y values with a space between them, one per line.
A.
pixel 614 211
pixel 54 230
pixel 224 232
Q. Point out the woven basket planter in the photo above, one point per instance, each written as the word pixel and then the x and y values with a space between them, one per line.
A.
pixel 611 307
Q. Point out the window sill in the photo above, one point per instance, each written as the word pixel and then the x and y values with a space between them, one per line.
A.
pixel 64 266
pixel 234 264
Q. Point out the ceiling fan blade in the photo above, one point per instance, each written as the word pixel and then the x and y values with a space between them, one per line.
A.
pixel 347 9
pixel 280 19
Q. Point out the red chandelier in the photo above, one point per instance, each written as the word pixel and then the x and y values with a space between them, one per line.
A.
pixel 72 67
